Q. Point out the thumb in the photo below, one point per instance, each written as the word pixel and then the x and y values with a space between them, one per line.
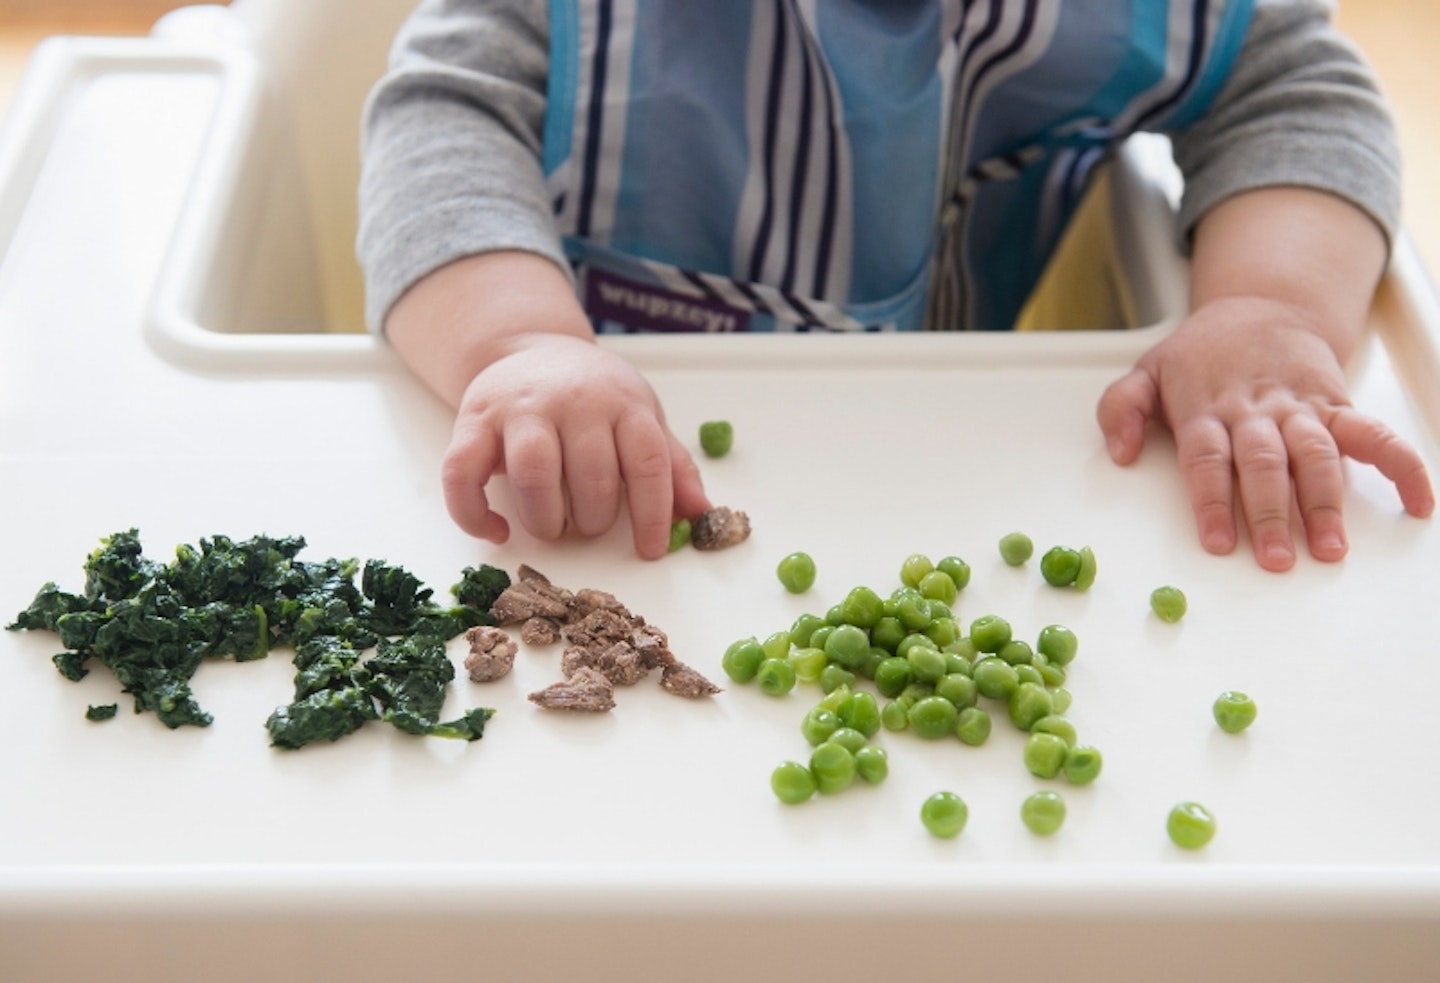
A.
pixel 1126 406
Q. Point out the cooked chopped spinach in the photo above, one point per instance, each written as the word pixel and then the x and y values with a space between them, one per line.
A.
pixel 104 712
pixel 153 624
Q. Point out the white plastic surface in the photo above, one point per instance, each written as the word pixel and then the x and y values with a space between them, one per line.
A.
pixel 645 844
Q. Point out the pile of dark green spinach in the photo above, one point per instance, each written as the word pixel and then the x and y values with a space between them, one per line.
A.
pixel 153 624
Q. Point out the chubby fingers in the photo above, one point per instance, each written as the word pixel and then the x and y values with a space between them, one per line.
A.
pixel 644 454
pixel 1126 406
pixel 1371 442
pixel 473 456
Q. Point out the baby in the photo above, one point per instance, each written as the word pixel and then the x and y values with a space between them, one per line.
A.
pixel 535 172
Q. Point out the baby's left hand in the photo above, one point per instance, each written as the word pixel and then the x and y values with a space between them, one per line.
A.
pixel 1259 407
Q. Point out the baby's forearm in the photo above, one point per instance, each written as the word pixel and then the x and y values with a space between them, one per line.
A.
pixel 463 317
pixel 1309 250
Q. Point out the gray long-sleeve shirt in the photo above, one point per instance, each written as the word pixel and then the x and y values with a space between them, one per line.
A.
pixel 452 135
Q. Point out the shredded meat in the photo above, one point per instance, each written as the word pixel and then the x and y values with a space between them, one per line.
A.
pixel 681 680
pixel 587 691
pixel 540 631
pixel 492 653
pixel 718 528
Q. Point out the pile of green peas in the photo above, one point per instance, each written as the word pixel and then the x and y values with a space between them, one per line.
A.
pixel 933 677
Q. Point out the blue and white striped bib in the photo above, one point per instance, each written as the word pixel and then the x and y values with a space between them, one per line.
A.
pixel 736 165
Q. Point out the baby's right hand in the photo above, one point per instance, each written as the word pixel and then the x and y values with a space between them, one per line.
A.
pixel 578 431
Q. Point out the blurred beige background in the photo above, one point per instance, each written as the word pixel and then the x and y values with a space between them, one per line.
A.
pixel 1398 36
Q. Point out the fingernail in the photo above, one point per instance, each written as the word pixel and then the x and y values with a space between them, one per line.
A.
pixel 1330 544
pixel 1279 554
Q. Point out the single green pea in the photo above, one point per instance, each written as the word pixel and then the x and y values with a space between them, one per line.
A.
pixel 933 717
pixel 892 675
pixel 809 663
pixel 888 633
pixel 742 659
pixel 916 692
pixel 1058 644
pixel 957 663
pixel 1052 675
pixel 833 766
pixel 938 586
pixel 679 534
pixel 861 712
pixel 792 783
pixel 803 628
pixel 848 646
pixel 1029 674
pixel 958 689
pixel 895 716
pixel 913 610
pixel 716 437
pixel 1043 812
pixel 1168 603
pixel 1062 698
pixel 1016 548
pixel 1054 723
pixel 1085 579
pixel 927 664
pixel 876 656
pixel 775 677
pixel 872 764
pixel 964 646
pixel 990 632
pixel 944 814
pixel 1045 754
pixel 862 607
pixel 834 676
pixel 849 738
pixel 833 699
pixel 915 568
pixel 819 635
pixel 942 631
pixel 1190 825
pixel 939 610
pixel 1017 652
pixel 796 572
pixel 1082 764
pixel 835 615
pixel 995 678
pixel 972 726
pixel 777 645
pixel 1060 566
pixel 1029 703
pixel 818 724
pixel 1234 711
pixel 956 569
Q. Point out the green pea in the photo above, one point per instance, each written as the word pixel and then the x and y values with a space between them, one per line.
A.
pixel 804 628
pixel 913 610
pixel 1052 675
pixel 956 569
pixel 835 615
pixel 742 659
pixel 939 610
pixel 862 607
pixel 915 568
pixel 972 726
pixel 1029 674
pixel 895 716
pixel 818 724
pixel 679 534
pixel 833 699
pixel 942 631
pixel 876 656
pixel 1043 812
pixel 819 635
pixel 796 572
pixel 944 814
pixel 777 645
pixel 776 676
pixel 1085 579
pixel 1029 703
pixel 1168 603
pixel 834 676
pixel 927 664
pixel 916 692
pixel 938 587
pixel 1060 566
pixel 716 438
pixel 995 678
pixel 1190 825
pixel 1016 548
pixel 957 663
pixel 1234 711
pixel 1082 764
pixel 1045 754
pixel 809 663
pixel 872 764
pixel 1058 644
pixel 888 633
pixel 861 712
pixel 933 717
pixel 892 675
pixel 849 738
pixel 792 783
pixel 990 632
pixel 964 647
pixel 1017 652
pixel 833 766
pixel 1062 698
pixel 848 646
pixel 958 689
pixel 1054 723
